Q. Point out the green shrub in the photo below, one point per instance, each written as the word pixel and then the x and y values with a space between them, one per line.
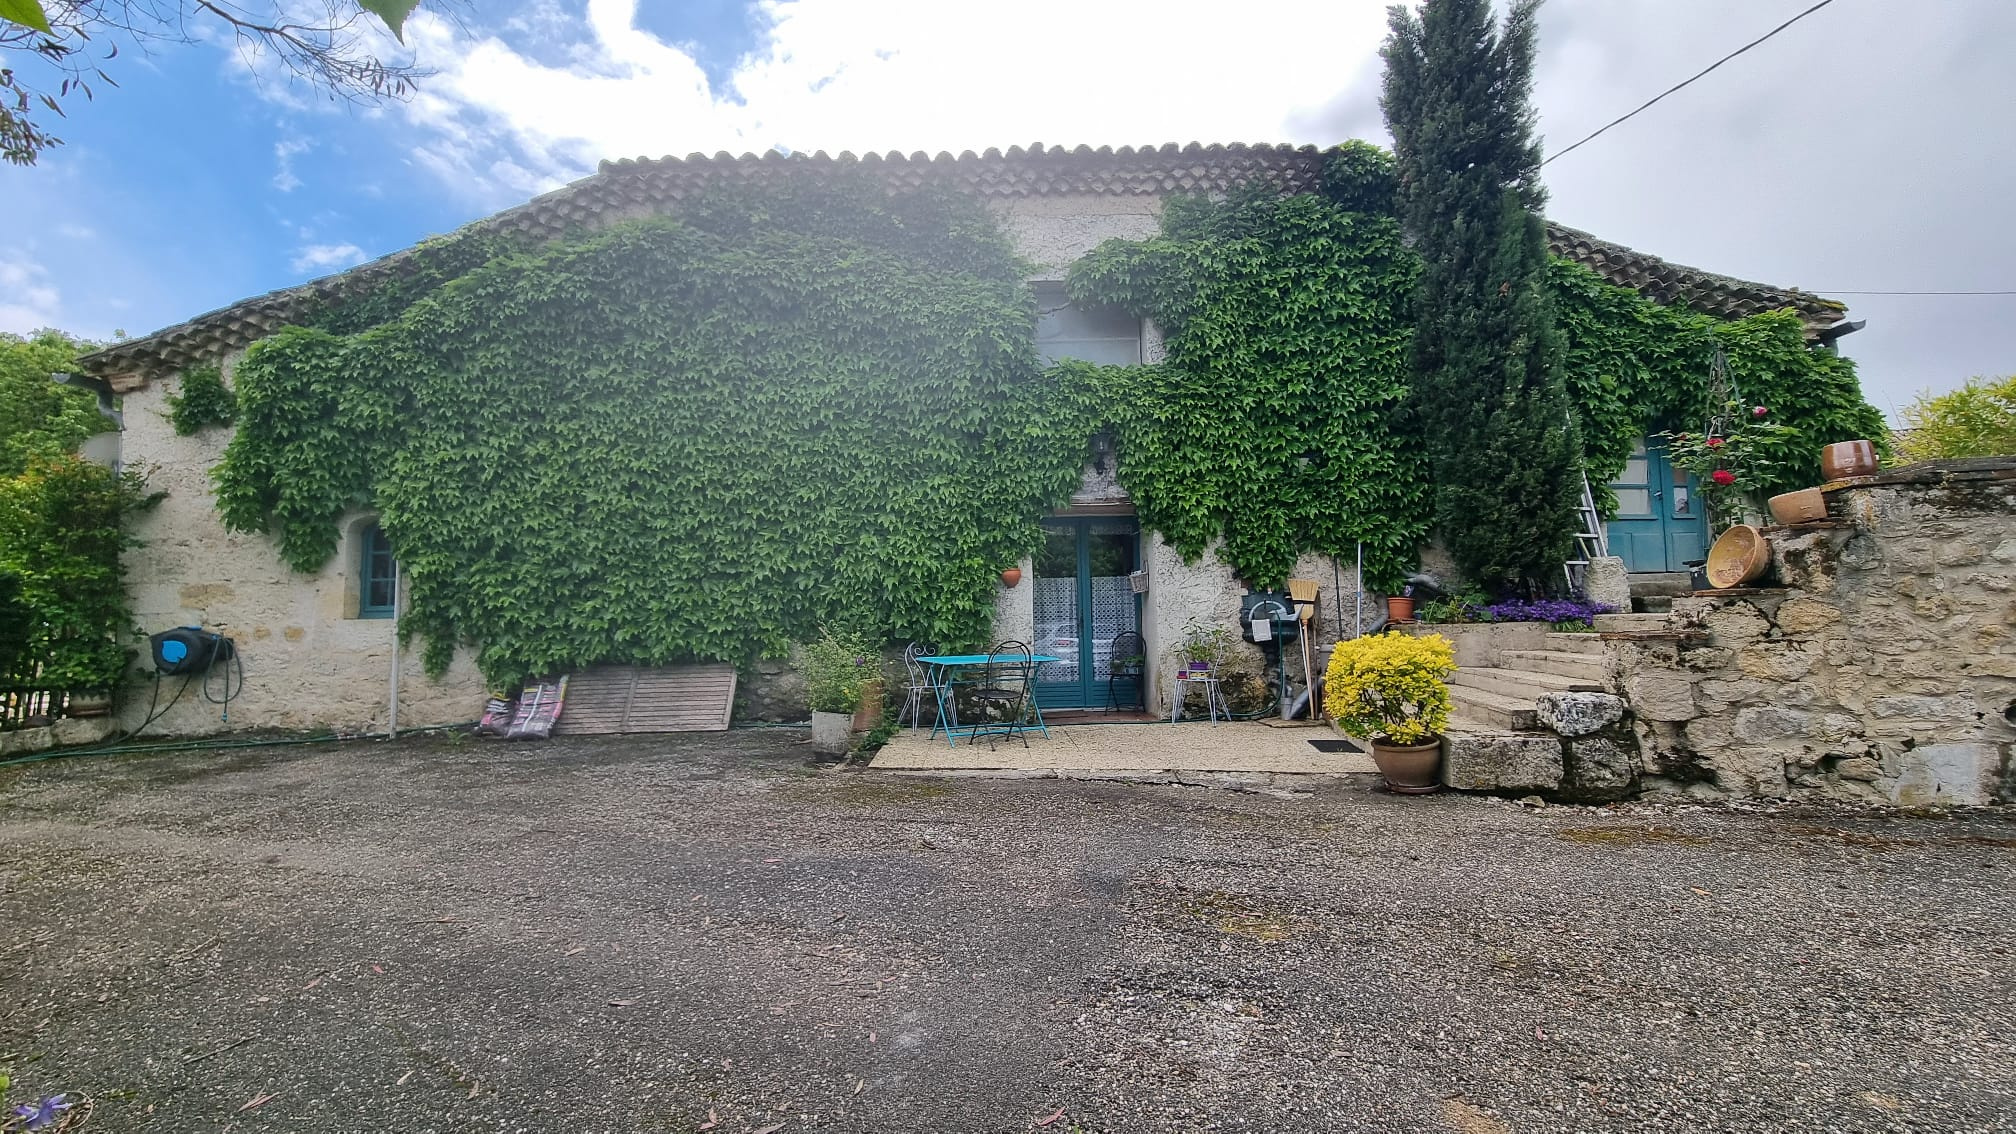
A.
pixel 60 537
pixel 1976 420
pixel 838 667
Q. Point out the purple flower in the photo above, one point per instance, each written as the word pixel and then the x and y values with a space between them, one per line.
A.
pixel 43 1113
pixel 1544 610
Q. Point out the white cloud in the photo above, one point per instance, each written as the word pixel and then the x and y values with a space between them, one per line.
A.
pixel 28 299
pixel 328 257
pixel 284 152
pixel 891 74
pixel 77 231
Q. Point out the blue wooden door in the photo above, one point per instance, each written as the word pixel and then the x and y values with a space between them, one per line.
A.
pixel 1658 525
pixel 1082 602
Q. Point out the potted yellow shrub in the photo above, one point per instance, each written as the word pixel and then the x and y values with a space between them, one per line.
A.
pixel 1393 690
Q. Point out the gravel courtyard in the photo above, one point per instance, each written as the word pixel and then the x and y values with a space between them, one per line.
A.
pixel 706 933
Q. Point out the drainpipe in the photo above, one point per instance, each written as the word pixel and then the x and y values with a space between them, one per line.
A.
pixel 392 718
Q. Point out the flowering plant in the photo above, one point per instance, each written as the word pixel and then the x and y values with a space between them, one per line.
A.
pixel 1473 608
pixel 1737 454
pixel 1390 687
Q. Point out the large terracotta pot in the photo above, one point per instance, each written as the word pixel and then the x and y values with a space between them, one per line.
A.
pixel 1411 769
pixel 1844 459
pixel 1399 608
pixel 869 715
pixel 1806 506
pixel 1739 555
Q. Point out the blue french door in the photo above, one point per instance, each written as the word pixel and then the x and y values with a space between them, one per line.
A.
pixel 1083 600
pixel 1658 525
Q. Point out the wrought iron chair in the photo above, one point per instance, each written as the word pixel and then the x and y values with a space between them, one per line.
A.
pixel 1006 691
pixel 918 692
pixel 1129 658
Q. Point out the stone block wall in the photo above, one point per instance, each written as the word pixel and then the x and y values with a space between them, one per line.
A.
pixel 1880 666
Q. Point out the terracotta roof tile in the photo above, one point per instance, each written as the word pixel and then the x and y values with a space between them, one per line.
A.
pixel 634 186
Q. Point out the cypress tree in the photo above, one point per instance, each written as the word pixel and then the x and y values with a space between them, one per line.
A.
pixel 1490 393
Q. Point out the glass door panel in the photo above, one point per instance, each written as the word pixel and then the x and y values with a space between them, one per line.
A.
pixel 1083 601
pixel 1056 601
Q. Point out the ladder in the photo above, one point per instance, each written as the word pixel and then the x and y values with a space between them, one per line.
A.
pixel 1590 541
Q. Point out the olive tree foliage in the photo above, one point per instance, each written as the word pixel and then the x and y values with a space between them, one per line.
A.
pixel 52 51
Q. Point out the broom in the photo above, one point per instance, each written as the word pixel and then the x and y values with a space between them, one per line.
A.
pixel 1303 591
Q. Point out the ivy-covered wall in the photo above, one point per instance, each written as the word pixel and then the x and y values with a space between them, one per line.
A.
pixel 704 435
pixel 700 436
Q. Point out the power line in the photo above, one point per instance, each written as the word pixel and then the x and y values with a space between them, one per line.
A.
pixel 1832 291
pixel 1710 67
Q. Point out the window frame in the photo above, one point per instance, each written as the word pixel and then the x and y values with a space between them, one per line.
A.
pixel 376 567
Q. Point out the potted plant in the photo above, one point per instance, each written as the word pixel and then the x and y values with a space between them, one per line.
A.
pixel 1392 689
pixel 1400 607
pixel 838 670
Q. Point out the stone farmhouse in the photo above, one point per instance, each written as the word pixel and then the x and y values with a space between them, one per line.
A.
pixel 320 649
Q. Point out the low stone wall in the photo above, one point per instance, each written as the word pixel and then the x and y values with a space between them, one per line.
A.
pixel 68 732
pixel 1880 666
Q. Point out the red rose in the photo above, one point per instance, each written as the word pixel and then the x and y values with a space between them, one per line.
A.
pixel 1714 442
pixel 1723 477
pixel 1760 411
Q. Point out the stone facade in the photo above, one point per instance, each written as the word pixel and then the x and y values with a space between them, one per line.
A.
pixel 1882 668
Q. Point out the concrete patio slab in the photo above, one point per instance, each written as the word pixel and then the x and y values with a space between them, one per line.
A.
pixel 1232 746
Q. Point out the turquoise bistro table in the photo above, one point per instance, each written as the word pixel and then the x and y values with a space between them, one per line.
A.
pixel 941 668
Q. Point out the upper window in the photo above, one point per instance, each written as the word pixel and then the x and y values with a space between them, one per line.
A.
pixel 377 576
pixel 1100 334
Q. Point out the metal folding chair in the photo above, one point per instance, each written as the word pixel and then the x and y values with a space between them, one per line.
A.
pixel 1005 691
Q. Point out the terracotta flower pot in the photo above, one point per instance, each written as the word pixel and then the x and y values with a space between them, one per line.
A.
pixel 1739 555
pixel 1844 459
pixel 1805 506
pixel 1011 576
pixel 1399 608
pixel 1410 769
pixel 869 714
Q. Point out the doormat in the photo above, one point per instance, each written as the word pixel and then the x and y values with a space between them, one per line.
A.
pixel 1334 746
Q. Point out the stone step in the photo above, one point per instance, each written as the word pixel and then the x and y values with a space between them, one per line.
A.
pixel 1517 682
pixel 1654 604
pixel 1621 622
pixel 1475 710
pixel 1662 583
pixel 1591 668
pixel 1573 643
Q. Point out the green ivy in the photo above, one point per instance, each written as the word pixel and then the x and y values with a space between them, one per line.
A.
pixel 700 437
pixel 1635 367
pixel 707 436
pixel 1277 421
pixel 204 402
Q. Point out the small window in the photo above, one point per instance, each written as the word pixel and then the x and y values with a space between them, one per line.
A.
pixel 1063 330
pixel 377 576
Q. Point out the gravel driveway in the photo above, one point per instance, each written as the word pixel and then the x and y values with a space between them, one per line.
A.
pixel 705 933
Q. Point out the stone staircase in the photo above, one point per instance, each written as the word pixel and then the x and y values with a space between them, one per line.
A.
pixel 1500 698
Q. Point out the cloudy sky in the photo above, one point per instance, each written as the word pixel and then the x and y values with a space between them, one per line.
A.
pixel 1869 148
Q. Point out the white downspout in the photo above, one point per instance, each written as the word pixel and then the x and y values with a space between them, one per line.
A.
pixel 392 718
